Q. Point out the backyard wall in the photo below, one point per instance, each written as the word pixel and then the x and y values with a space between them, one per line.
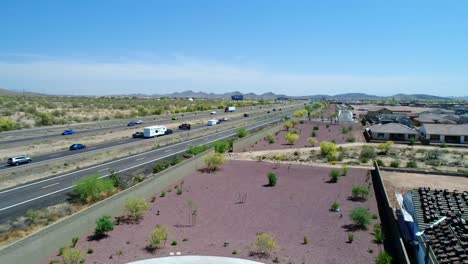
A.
pixel 33 248
pixel 393 242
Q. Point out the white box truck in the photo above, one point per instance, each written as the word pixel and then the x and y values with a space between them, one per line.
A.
pixel 230 109
pixel 154 131
pixel 212 122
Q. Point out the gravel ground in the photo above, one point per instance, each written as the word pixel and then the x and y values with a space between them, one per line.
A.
pixel 298 206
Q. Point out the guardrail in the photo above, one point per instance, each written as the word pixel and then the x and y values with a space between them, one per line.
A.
pixel 45 242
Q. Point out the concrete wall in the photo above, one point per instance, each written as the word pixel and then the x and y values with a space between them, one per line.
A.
pixel 393 242
pixel 242 144
pixel 48 241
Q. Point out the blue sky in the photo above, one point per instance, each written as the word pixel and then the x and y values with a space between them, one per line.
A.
pixel 290 47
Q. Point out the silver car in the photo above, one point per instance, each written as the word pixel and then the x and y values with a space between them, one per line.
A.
pixel 19 160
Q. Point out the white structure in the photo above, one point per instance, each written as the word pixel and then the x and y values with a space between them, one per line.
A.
pixel 195 260
pixel 154 131
pixel 212 122
pixel 345 116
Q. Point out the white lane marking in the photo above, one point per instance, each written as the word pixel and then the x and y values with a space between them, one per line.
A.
pixel 50 185
pixel 167 150
pixel 39 197
pixel 136 155
pixel 140 159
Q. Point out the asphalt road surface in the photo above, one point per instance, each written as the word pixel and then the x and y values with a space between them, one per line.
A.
pixel 111 144
pixel 14 202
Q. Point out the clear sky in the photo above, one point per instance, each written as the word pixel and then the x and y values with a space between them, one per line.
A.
pixel 291 47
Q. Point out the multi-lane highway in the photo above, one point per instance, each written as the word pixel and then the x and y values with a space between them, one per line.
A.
pixel 112 144
pixel 16 201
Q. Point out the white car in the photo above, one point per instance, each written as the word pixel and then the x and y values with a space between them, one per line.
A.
pixel 18 160
pixel 213 113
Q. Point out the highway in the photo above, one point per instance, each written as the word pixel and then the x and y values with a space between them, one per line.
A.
pixel 14 202
pixel 89 129
pixel 113 144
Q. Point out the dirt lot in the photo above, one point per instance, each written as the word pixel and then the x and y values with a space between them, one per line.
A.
pixel 331 133
pixel 404 182
pixel 285 211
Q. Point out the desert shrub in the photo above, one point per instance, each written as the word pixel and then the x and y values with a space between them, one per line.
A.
pixel 411 164
pixel 291 137
pixel 222 146
pixel 214 161
pixel 7 124
pixel 315 128
pixel 92 189
pixel 272 179
pixel 287 125
pixel 313 134
pixel 378 235
pixel 433 154
pixel 136 208
pixel 328 149
pixel 195 150
pixel 72 256
pixel 33 217
pixel 242 132
pixel 380 163
pixel 350 237
pixel 74 241
pixel 367 152
pixel 90 251
pixel 375 216
pixel 103 225
pixel 158 235
pixel 350 139
pixel 395 163
pixel 361 217
pixel 174 243
pixel 383 258
pixel 334 175
pixel 270 137
pixel 163 193
pixel 335 206
pixel 360 192
pixel 344 170
pixel 312 141
pixel 160 166
pixel 265 243
pixel 385 147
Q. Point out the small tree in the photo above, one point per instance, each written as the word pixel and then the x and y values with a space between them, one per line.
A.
pixel 265 243
pixel 214 161
pixel 385 147
pixel 360 192
pixel 103 225
pixel 312 141
pixel 287 125
pixel 291 137
pixel 242 132
pixel 383 258
pixel 334 175
pixel 136 208
pixel 222 146
pixel 158 235
pixel 272 179
pixel 92 189
pixel 361 217
pixel 72 256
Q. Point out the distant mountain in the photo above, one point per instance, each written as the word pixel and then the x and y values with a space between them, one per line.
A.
pixel 7 92
pixel 417 97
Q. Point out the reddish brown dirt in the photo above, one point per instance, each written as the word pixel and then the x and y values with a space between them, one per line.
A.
pixel 333 132
pixel 298 206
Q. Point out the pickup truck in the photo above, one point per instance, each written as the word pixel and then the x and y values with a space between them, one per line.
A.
pixel 185 127
pixel 138 135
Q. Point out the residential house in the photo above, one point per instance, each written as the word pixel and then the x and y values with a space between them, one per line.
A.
pixel 448 133
pixel 393 131
pixel 431 118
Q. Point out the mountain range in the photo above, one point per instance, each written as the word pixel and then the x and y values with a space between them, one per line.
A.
pixel 272 96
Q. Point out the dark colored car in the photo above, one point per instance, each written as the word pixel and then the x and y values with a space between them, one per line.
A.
pixel 246 115
pixel 268 112
pixel 185 127
pixel 274 109
pixel 68 132
pixel 168 132
pixel 18 160
pixel 132 123
pixel 138 135
pixel 77 146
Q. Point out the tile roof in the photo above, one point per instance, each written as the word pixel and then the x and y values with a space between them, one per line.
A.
pixel 395 128
pixel 446 129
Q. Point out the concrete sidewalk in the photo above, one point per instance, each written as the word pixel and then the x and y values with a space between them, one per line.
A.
pixel 195 260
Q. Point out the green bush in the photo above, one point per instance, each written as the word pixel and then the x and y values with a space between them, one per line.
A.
pixel 328 149
pixel 384 258
pixel 360 192
pixel 367 152
pixel 378 235
pixel 334 175
pixel 90 251
pixel 361 217
pixel 411 164
pixel 195 150
pixel 136 208
pixel 335 206
pixel 344 170
pixel 395 163
pixel 103 225
pixel 291 137
pixel 222 146
pixel 350 139
pixel 92 189
pixel 213 162
pixel 380 163
pixel 72 256
pixel 242 132
pixel 316 128
pixel 272 179
pixel 7 124
pixel 160 166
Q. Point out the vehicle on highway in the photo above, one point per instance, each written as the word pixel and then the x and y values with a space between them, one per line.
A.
pixel 246 115
pixel 139 122
pixel 212 122
pixel 175 118
pixel 274 109
pixel 223 119
pixel 154 131
pixel 185 127
pixel 134 123
pixel 138 135
pixel 230 109
pixel 19 160
pixel 279 109
pixel 268 112
pixel 77 146
pixel 68 132
pixel 213 113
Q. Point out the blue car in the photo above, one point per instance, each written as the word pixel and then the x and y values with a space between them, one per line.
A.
pixel 132 124
pixel 77 146
pixel 68 132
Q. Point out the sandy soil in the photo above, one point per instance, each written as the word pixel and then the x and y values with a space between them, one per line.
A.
pixel 333 132
pixel 286 211
pixel 404 182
